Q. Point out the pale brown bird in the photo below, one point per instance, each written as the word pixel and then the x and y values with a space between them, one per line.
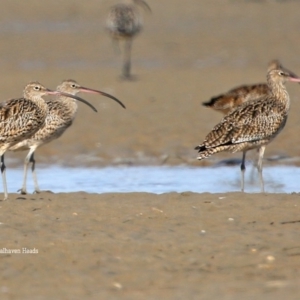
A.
pixel 227 102
pixel 20 118
pixel 61 114
pixel 253 124
pixel 124 22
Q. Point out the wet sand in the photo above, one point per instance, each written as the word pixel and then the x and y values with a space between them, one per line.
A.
pixel 146 246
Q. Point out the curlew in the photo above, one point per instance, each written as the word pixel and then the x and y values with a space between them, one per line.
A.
pixel 227 102
pixel 61 114
pixel 20 118
pixel 252 125
pixel 124 22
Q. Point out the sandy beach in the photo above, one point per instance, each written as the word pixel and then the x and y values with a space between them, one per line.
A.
pixel 143 245
pixel 147 246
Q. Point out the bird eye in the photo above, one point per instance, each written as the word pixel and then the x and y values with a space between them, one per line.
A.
pixel 36 88
pixel 281 74
pixel 73 86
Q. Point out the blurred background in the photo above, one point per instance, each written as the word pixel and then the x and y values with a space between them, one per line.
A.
pixel 187 52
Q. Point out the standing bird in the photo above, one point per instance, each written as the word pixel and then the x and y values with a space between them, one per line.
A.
pixel 21 118
pixel 227 102
pixel 62 112
pixel 124 21
pixel 253 124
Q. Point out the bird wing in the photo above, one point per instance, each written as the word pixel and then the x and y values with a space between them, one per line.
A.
pixel 243 90
pixel 253 121
pixel 237 96
pixel 15 118
pixel 10 110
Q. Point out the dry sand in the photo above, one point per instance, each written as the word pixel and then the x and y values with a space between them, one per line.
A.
pixel 146 246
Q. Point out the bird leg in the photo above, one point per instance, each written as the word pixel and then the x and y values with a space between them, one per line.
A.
pixel 261 152
pixel 36 186
pixel 254 167
pixel 3 172
pixel 27 160
pixel 127 59
pixel 243 168
pixel 116 46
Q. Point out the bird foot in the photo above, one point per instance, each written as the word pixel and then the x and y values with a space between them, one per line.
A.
pixel 46 191
pixel 128 77
pixel 22 191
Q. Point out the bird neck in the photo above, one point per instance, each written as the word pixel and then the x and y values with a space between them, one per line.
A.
pixel 70 107
pixel 279 93
pixel 40 102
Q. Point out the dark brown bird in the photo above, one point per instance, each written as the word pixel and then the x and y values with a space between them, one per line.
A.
pixel 227 102
pixel 253 124
pixel 61 114
pixel 124 22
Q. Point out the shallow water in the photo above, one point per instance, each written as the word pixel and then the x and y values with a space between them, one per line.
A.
pixel 158 179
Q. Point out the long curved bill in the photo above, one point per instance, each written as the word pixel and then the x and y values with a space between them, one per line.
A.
pixel 292 74
pixel 92 91
pixel 50 92
pixel 294 79
pixel 144 4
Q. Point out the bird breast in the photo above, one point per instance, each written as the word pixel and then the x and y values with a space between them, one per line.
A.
pixel 124 20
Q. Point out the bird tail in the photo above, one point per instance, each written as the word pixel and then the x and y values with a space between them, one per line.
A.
pixel 207 152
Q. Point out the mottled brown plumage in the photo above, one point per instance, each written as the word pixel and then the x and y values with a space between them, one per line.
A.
pixel 227 102
pixel 20 118
pixel 124 22
pixel 253 124
pixel 61 114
